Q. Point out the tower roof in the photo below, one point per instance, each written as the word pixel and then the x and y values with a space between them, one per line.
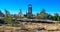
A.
pixel 29 5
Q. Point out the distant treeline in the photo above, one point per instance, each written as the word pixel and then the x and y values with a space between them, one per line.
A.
pixel 41 15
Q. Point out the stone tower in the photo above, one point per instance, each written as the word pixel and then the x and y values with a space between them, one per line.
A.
pixel 29 9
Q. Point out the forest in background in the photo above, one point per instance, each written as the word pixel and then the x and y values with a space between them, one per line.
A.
pixel 42 15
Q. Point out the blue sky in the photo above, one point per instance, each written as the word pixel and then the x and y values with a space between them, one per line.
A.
pixel 13 6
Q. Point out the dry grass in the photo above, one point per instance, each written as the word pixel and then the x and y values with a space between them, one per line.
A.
pixel 48 27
